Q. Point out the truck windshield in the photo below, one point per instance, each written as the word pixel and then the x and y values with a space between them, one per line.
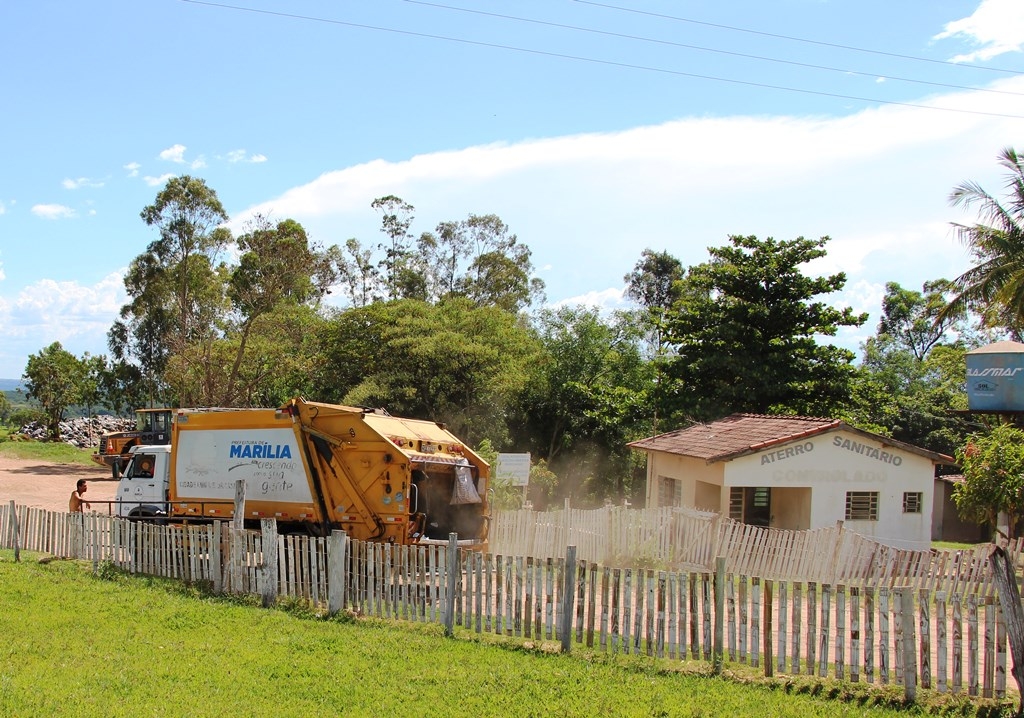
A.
pixel 141 466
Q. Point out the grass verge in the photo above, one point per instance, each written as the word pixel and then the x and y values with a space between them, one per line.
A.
pixel 78 645
pixel 47 452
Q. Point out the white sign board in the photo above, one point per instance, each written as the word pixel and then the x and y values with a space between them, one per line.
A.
pixel 514 468
pixel 209 461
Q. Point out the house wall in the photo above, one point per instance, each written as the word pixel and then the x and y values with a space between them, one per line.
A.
pixel 948 526
pixel 708 496
pixel 810 479
pixel 686 469
pixel 791 508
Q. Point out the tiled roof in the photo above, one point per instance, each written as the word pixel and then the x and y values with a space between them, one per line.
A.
pixel 746 433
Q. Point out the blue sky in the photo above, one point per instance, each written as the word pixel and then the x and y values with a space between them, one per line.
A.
pixel 594 129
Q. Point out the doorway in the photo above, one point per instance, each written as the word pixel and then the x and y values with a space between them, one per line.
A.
pixel 751 504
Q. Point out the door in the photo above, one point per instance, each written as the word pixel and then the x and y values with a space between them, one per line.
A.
pixel 757 506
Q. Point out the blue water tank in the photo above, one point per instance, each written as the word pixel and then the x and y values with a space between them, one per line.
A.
pixel 995 377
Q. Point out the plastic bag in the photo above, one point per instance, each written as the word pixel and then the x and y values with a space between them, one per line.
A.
pixel 463 490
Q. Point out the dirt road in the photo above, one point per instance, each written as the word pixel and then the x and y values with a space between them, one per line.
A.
pixel 49 486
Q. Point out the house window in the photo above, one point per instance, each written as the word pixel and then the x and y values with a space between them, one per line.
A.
pixel 670 492
pixel 862 506
pixel 912 502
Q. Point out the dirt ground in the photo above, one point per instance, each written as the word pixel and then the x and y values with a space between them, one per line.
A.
pixel 49 486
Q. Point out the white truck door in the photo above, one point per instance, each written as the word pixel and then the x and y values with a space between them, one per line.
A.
pixel 142 490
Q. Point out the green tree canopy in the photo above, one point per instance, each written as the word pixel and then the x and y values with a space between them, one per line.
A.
pixel 123 387
pixel 654 284
pixel 452 362
pixel 588 396
pixel 913 320
pixel 746 333
pixel 993 469
pixel 278 266
pixel 54 377
pixel 477 258
pixel 205 331
pixel 913 371
pixel 176 287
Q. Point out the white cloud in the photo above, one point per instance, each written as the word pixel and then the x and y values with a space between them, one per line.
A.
pixel 876 181
pixel 198 163
pixel 235 156
pixel 174 153
pixel 55 303
pixel 2 275
pixel 605 300
pixel 157 181
pixel 47 311
pixel 133 169
pixel 997 26
pixel 53 211
pixel 81 182
pixel 3 207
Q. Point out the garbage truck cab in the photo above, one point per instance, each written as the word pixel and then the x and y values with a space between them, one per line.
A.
pixel 142 490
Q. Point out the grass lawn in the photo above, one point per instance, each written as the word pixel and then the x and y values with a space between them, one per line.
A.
pixel 953 546
pixel 76 645
pixel 48 452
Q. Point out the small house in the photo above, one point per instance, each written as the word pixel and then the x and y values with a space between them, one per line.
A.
pixel 797 472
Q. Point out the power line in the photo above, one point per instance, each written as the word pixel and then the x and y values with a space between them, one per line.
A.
pixel 579 58
pixel 701 48
pixel 798 39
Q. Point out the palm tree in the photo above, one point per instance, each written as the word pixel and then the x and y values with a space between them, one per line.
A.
pixel 994 287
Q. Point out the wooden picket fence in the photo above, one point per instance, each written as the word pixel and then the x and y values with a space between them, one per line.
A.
pixel 683 538
pixel 889 635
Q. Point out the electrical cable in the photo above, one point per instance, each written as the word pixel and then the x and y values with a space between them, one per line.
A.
pixel 670 43
pixel 611 63
pixel 800 39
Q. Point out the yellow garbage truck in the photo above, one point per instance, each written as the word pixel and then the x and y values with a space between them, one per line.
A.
pixel 314 467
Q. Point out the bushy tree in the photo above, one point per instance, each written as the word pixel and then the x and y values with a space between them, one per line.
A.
pixel 655 284
pixel 747 332
pixel 278 267
pixel 587 398
pixel 206 331
pixel 124 388
pixel 176 287
pixel 54 378
pixel 911 380
pixel 451 362
pixel 993 469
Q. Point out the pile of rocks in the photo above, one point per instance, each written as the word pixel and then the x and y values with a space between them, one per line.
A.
pixel 80 432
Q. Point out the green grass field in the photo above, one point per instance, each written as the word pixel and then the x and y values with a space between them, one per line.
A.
pixel 78 645
pixel 47 452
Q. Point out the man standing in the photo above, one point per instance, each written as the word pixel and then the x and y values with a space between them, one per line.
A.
pixel 78 498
